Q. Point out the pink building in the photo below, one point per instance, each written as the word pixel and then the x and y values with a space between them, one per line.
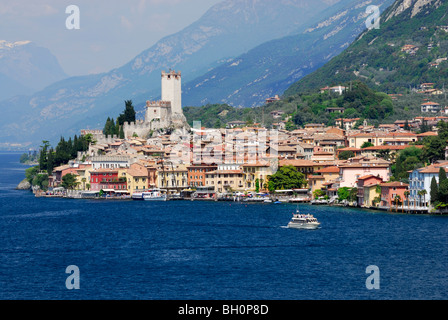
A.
pixel 357 167
pixel 390 190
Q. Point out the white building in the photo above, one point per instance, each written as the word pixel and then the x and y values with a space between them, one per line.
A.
pixel 420 179
pixel 110 162
pixel 432 107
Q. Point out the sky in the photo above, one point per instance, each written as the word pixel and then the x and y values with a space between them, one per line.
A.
pixel 110 34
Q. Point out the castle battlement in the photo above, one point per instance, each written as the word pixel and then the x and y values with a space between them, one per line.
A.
pixel 163 114
pixel 171 74
pixel 161 104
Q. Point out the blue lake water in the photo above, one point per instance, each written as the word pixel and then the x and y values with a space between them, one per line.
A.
pixel 211 250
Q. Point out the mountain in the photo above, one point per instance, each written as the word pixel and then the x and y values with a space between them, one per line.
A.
pixel 269 69
pixel 228 29
pixel 26 68
pixel 410 48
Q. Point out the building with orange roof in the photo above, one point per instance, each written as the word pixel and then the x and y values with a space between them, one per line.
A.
pixel 366 192
pixel 226 178
pixel 432 107
pixel 306 167
pixel 362 166
pixel 392 194
pixel 422 136
pixel 320 177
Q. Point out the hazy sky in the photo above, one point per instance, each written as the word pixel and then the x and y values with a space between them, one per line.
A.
pixel 111 33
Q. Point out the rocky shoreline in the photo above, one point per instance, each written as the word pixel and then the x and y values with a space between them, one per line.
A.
pixel 24 185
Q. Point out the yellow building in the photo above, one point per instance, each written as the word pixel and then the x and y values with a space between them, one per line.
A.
pixel 255 171
pixel 137 178
pixel 173 179
pixel 227 178
pixel 369 195
pixel 83 177
pixel 322 176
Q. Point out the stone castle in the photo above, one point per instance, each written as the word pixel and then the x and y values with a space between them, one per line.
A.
pixel 162 115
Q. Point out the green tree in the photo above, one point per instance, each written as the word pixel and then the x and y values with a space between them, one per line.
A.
pixel 43 154
pixel 287 177
pixel 347 154
pixel 41 180
pixel 434 149
pixel 50 161
pixel 121 133
pixel 442 195
pixel 318 193
pixel 367 144
pixel 353 194
pixel 343 193
pixel 69 181
pixel 434 193
pixel 257 185
pixel 128 114
pixel 30 173
pixel 384 154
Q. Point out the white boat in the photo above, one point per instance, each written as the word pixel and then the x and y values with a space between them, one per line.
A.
pixel 303 221
pixel 137 196
pixel 153 195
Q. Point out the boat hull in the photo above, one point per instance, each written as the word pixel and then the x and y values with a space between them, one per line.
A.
pixel 307 226
pixel 161 198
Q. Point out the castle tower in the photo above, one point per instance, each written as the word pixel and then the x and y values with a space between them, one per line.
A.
pixel 171 90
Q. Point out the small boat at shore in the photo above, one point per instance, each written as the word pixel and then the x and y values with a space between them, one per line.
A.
pixel 150 195
pixel 154 195
pixel 303 221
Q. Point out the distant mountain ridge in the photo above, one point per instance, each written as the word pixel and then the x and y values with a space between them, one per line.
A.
pixel 26 68
pixel 228 29
pixel 410 48
pixel 270 68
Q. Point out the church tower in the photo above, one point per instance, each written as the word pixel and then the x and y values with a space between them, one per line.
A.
pixel 171 90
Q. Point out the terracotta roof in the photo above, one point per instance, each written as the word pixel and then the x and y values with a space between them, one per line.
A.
pixel 322 153
pixel 392 147
pixel 426 134
pixel 329 170
pixel 394 184
pixel 349 149
pixel 137 171
pixel 104 171
pixel 297 163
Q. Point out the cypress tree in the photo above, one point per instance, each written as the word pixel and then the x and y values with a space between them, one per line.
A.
pixel 121 133
pixel 434 190
pixel 117 128
pixel 442 194
pixel 50 161
pixel 106 127
pixel 442 174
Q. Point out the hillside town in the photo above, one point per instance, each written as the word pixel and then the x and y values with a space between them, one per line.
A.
pixel 238 162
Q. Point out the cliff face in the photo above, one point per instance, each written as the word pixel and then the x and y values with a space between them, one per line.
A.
pixel 410 48
pixel 417 6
